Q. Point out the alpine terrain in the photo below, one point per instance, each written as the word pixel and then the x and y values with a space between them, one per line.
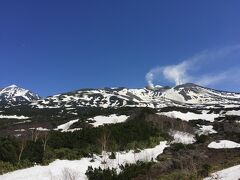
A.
pixel 182 132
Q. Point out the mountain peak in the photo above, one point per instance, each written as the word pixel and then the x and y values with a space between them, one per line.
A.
pixel 187 85
pixel 14 95
pixel 12 86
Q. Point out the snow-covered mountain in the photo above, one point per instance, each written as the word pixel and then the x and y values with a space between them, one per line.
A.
pixel 193 94
pixel 14 95
pixel 203 111
pixel 183 95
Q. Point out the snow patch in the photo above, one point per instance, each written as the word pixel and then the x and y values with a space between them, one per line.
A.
pixel 78 168
pixel 40 129
pixel 233 113
pixel 223 144
pixel 111 119
pixel 205 130
pixel 65 127
pixel 20 130
pixel 190 115
pixel 232 173
pixel 182 137
pixel 12 117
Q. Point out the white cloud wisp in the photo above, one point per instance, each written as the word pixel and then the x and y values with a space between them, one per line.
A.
pixel 193 69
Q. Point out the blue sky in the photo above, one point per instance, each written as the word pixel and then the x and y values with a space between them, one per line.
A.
pixel 61 45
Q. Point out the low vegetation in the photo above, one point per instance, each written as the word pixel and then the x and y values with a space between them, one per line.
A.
pixel 45 147
pixel 144 129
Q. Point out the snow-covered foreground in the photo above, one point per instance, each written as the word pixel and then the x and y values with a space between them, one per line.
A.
pixel 222 144
pixel 62 169
pixel 182 137
pixel 190 116
pixel 111 119
pixel 232 173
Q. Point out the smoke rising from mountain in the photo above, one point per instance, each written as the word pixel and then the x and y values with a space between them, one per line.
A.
pixel 191 69
pixel 174 73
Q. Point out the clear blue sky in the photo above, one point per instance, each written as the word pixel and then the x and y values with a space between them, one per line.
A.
pixel 53 46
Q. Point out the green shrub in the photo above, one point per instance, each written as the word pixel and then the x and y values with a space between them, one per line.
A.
pixel 128 172
pixel 163 157
pixel 6 167
pixel 61 153
pixel 135 133
pixel 202 138
pixel 33 152
pixel 205 170
pixel 179 175
pixel 100 174
pixel 9 150
pixel 178 146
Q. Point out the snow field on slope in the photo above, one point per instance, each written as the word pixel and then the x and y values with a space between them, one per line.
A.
pixel 190 116
pixel 13 90
pixel 13 117
pixel 201 96
pixel 59 169
pixel 173 95
pixel 182 137
pixel 233 113
pixel 98 121
pixel 111 119
pixel 223 144
pixel 206 129
pixel 64 127
pixel 232 173
pixel 196 98
pixel 143 94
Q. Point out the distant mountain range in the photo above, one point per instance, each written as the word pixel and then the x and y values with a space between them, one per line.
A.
pixel 183 95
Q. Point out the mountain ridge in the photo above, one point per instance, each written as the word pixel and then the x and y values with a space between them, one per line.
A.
pixel 185 94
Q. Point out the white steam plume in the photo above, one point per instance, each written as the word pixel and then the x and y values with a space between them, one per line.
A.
pixel 189 70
